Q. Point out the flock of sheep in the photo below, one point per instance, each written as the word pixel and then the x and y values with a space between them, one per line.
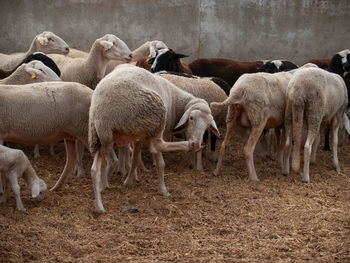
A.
pixel 111 98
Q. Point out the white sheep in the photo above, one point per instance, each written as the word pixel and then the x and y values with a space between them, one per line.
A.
pixel 256 101
pixel 132 105
pixel 13 165
pixel 46 42
pixel 315 97
pixel 42 113
pixel 90 70
pixel 34 71
pixel 205 89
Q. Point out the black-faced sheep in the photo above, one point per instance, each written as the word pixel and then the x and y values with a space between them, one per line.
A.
pixel 274 66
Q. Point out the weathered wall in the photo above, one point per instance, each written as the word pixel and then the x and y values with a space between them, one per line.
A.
pixel 238 29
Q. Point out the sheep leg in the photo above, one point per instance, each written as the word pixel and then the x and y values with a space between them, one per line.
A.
pixel 286 152
pixel 159 145
pixel 129 181
pixel 250 147
pixel 205 139
pixel 314 149
pixel 280 143
pixel 160 169
pixel 122 157
pixel 298 115
pixel 326 141
pixel 307 152
pixel 112 163
pixel 335 129
pixel 36 152
pixel 199 161
pixel 13 179
pixel 96 170
pixel 70 163
pixel 213 138
pixel 79 169
pixel 229 132
pixel 6 189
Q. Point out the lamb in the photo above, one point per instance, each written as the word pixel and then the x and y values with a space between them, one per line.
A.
pixel 90 70
pixel 166 59
pixel 315 97
pixel 13 165
pixel 46 112
pixel 228 70
pixel 256 101
pixel 147 106
pixel 35 56
pixel 34 71
pixel 274 66
pixel 46 42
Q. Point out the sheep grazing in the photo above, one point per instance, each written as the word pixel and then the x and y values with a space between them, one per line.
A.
pixel 90 70
pixel 46 112
pixel 315 97
pixel 147 106
pixel 228 70
pixel 13 165
pixel 46 42
pixel 274 66
pixel 34 71
pixel 322 63
pixel 166 59
pixel 256 101
pixel 209 91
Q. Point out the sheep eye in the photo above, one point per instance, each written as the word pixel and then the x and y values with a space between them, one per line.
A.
pixel 41 70
pixel 51 39
pixel 191 118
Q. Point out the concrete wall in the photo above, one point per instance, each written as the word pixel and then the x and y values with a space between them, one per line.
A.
pixel 238 29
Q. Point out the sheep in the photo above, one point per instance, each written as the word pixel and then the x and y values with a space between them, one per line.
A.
pixel 228 70
pixel 256 101
pixel 13 165
pixel 90 70
pixel 46 112
pixel 273 66
pixel 210 92
pixel 46 42
pixel 147 106
pixel 315 97
pixel 166 59
pixel 35 56
pixel 148 48
pixel 34 71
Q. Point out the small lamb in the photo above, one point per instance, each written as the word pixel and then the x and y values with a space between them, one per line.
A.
pixel 13 165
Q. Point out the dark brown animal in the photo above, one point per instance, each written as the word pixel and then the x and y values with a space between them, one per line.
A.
pixel 228 70
pixel 320 62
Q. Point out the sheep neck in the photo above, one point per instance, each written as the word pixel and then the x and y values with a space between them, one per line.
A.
pixel 17 77
pixel 96 64
pixel 141 51
pixel 30 176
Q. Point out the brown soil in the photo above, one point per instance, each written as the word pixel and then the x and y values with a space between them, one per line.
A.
pixel 206 218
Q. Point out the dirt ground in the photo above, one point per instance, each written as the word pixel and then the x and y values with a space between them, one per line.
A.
pixel 206 218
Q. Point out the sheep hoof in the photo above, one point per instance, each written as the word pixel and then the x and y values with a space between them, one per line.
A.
pixel 165 193
pixel 285 174
pixel 306 181
pixel 36 155
pixel 21 209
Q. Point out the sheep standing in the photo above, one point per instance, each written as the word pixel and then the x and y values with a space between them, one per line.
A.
pixel 256 101
pixel 90 70
pixel 315 97
pixel 147 105
pixel 13 165
pixel 210 92
pixel 46 42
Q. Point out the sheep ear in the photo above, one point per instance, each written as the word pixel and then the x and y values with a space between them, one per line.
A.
pixel 152 52
pixel 43 40
pixel 151 60
pixel 183 119
pixel 181 56
pixel 214 128
pixel 32 71
pixel 106 44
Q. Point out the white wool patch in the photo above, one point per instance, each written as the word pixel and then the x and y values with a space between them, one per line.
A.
pixel 344 53
pixel 278 63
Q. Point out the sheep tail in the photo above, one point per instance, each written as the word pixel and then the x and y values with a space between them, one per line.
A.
pixel 346 122
pixel 94 141
pixel 222 104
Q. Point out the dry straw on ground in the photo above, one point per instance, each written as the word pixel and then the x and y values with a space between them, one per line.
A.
pixel 205 219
